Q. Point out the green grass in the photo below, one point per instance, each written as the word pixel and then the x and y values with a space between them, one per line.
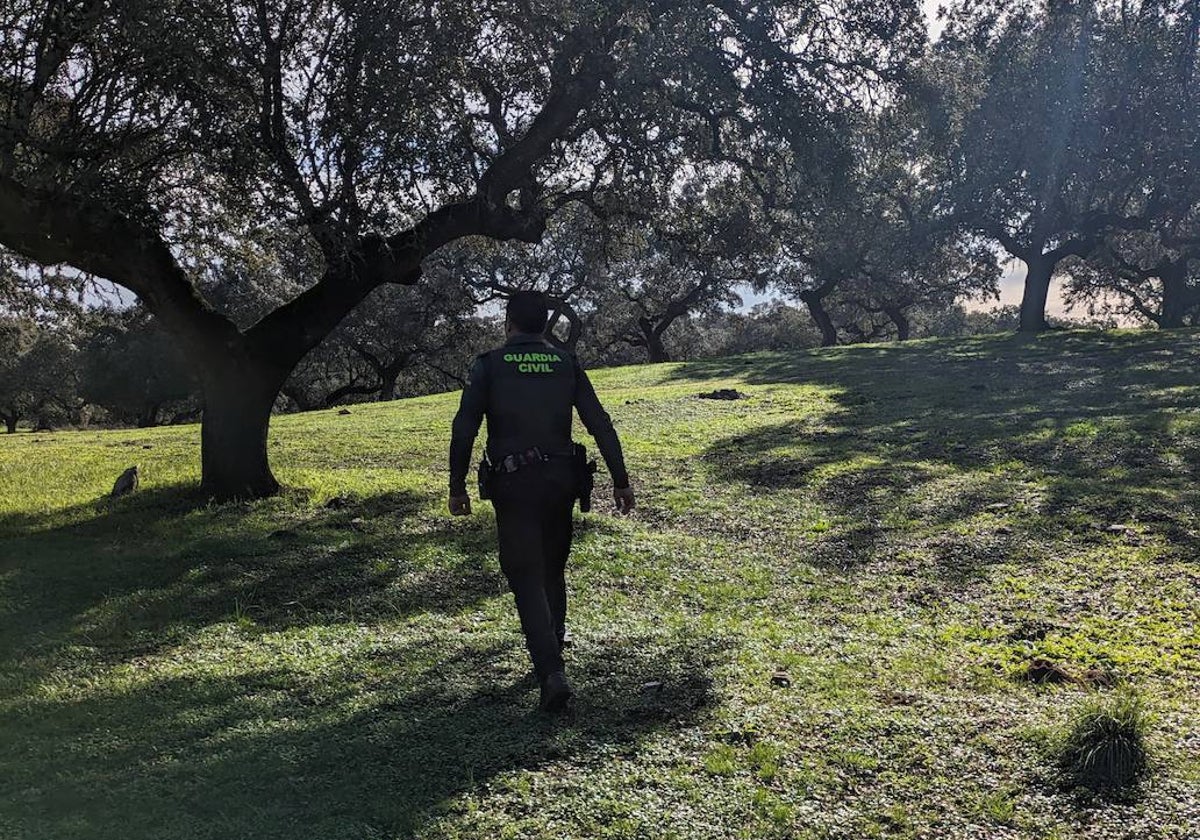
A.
pixel 899 529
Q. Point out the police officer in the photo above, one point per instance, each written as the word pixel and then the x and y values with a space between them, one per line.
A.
pixel 527 389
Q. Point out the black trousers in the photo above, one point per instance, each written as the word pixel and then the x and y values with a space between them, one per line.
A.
pixel 534 527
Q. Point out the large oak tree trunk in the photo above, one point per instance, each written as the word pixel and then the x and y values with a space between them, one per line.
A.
pixel 652 334
pixel 233 432
pixel 816 308
pixel 10 423
pixel 388 378
pixel 1177 298
pixel 148 417
pixel 655 348
pixel 1039 272
pixel 903 325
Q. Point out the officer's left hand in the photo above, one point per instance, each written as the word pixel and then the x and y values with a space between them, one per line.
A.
pixel 623 497
pixel 460 505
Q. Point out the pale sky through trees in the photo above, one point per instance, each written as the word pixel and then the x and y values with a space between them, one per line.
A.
pixel 931 10
pixel 1012 282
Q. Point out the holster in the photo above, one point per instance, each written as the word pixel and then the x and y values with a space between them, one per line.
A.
pixel 484 473
pixel 585 475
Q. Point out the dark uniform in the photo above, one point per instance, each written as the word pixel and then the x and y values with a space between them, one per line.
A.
pixel 527 389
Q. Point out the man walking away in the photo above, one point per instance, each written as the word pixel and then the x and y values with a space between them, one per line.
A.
pixel 527 389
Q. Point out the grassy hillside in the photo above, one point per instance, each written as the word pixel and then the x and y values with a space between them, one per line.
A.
pixel 832 588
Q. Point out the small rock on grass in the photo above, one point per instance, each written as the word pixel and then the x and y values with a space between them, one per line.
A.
pixel 126 483
pixel 740 736
pixel 1031 631
pixel 781 679
pixel 898 698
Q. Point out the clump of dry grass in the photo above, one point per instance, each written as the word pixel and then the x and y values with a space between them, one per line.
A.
pixel 1105 747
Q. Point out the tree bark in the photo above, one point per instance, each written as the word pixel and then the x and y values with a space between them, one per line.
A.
pixel 388 377
pixel 816 308
pixel 1177 297
pixel 10 423
pixel 652 335
pixel 657 350
pixel 903 325
pixel 233 431
pixel 1039 272
pixel 148 417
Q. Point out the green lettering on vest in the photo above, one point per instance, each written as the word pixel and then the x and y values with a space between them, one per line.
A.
pixel 533 362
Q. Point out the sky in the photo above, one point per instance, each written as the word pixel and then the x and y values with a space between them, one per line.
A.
pixel 931 9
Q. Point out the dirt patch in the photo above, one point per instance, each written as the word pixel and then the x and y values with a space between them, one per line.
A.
pixel 1044 672
pixel 723 394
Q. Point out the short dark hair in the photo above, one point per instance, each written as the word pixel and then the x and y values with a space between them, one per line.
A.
pixel 528 312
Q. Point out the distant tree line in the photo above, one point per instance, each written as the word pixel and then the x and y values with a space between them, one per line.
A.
pixel 317 201
pixel 117 368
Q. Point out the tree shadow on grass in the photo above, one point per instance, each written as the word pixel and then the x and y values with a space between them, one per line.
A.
pixel 993 360
pixel 934 435
pixel 140 575
pixel 265 753
pixel 365 743
pixel 156 561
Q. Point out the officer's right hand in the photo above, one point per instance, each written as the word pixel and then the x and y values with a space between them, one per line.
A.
pixel 460 505
pixel 623 496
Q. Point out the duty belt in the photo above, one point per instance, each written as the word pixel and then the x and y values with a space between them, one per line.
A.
pixel 525 458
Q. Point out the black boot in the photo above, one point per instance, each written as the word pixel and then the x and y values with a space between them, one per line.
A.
pixel 556 693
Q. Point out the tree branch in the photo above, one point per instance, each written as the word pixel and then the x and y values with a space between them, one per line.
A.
pixel 53 229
